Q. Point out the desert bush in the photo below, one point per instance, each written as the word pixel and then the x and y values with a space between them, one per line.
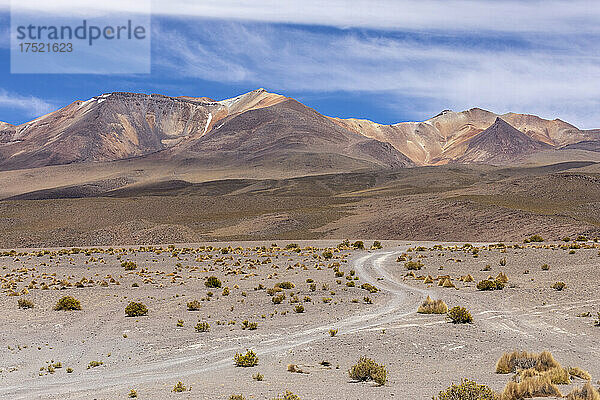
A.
pixel 358 245
pixel 430 306
pixel 545 267
pixel 179 387
pixel 132 394
pixel 467 390
pixel 333 332
pixel 537 386
pixel 287 396
pixel 25 303
pixel 245 360
pixel 534 239
pixel 327 254
pixel 285 285
pixel 129 265
pixel 193 305
pixel 67 303
pixel 376 245
pixel 413 265
pixel 368 370
pixel 459 315
pixel 202 326
pixel 179 323
pixel 587 392
pixel 258 376
pixel 225 291
pixel 299 308
pixel 94 364
pixel 236 397
pixel 278 299
pixel 134 309
pixel 369 287
pixel 559 286
pixel 489 284
pixel 213 282
pixel 249 325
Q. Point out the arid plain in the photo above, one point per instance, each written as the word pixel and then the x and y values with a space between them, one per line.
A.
pixel 311 310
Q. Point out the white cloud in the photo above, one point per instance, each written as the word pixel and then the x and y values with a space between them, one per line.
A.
pixel 30 105
pixel 458 15
pixel 557 82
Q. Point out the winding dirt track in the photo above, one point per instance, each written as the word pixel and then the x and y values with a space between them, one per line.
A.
pixel 403 300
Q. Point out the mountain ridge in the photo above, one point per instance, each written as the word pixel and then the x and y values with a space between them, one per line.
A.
pixel 122 125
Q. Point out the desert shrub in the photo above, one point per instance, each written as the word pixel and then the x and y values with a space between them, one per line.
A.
pixel 534 238
pixel 376 245
pixel 545 267
pixel 369 287
pixel 213 282
pixel 292 246
pixel 467 390
pixel 459 315
pixel 245 360
pixel 132 394
pixel 559 286
pixel 249 325
pixel 202 326
pixel 327 254
pixel 368 370
pixel 278 299
pixel 25 303
pixel 94 364
pixel 67 303
pixel 258 376
pixel 225 291
pixel 299 308
pixel 489 284
pixel 236 397
pixel 333 332
pixel 579 373
pixel 287 396
pixel 129 265
pixel 430 306
pixel 134 309
pixel 358 245
pixel 193 305
pixel 503 261
pixel 587 392
pixel 537 386
pixel 413 265
pixel 179 387
pixel 180 323
pixel 285 285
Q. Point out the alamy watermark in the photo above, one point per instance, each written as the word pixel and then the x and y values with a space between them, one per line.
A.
pixel 80 37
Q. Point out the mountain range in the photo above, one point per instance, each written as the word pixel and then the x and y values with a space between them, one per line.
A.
pixel 262 129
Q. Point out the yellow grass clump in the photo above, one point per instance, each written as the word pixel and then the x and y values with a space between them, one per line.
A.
pixel 587 392
pixel 429 279
pixel 579 373
pixel 521 360
pixel 502 277
pixel 536 386
pixel 430 306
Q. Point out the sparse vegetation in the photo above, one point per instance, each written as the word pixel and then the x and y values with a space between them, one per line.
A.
pixel 135 309
pixel 430 306
pixel 193 305
pixel 413 265
pixel 25 303
pixel 246 360
pixel 212 282
pixel 467 390
pixel 287 396
pixel 368 370
pixel 489 284
pixel 202 326
pixel 179 387
pixel 459 315
pixel 67 303
pixel 559 286
pixel 129 265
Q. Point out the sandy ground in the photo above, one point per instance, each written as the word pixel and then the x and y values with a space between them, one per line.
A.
pixel 423 353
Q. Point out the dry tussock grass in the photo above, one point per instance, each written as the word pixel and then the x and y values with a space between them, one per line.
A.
pixel 587 392
pixel 536 386
pixel 430 306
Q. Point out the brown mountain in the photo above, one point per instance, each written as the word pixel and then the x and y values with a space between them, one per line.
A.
pixel 269 131
pixel 498 144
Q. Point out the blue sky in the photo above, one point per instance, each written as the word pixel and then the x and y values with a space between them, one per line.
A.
pixel 384 60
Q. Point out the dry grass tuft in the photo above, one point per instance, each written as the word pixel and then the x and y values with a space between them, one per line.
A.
pixel 430 306
pixel 587 392
pixel 536 386
pixel 522 360
pixel 579 373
